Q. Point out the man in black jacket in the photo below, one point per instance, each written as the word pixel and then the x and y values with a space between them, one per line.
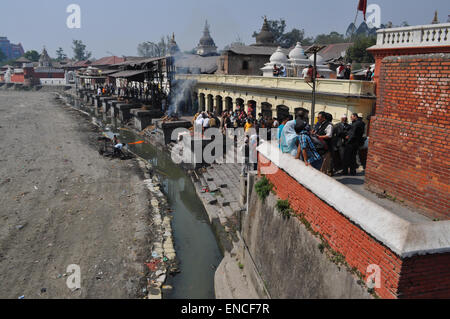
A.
pixel 354 142
pixel 340 133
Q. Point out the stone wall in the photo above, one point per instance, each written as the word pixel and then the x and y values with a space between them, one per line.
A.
pixel 413 258
pixel 233 64
pixel 288 258
pixel 408 152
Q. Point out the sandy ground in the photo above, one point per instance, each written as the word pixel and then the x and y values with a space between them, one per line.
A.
pixel 61 203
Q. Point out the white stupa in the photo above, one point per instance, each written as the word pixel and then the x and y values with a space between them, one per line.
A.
pixel 8 75
pixel 278 58
pixel 322 69
pixel 298 60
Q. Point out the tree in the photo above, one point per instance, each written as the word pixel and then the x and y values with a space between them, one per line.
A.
pixel 283 38
pixel 152 50
pixel 291 38
pixel 333 37
pixel 358 51
pixel 60 55
pixel 32 55
pixel 79 51
pixel 2 56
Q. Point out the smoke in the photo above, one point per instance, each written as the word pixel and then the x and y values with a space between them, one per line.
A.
pixel 180 93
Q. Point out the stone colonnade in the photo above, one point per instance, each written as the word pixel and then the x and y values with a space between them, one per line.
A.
pixel 218 101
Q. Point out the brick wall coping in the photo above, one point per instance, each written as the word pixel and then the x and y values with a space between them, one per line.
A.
pixel 403 237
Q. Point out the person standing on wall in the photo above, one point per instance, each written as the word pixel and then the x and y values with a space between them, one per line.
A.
pixel 348 72
pixel 325 134
pixel 340 133
pixel 340 72
pixel 354 141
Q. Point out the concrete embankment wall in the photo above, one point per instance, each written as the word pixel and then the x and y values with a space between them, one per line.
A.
pixel 288 257
pixel 359 238
pixel 41 88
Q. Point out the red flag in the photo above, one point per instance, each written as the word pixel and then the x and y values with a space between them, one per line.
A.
pixel 362 6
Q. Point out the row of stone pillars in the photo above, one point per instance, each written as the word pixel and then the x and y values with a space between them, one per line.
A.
pixel 218 104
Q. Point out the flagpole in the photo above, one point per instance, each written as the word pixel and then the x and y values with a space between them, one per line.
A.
pixel 354 23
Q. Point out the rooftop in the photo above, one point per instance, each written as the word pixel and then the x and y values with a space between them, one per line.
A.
pixel 110 60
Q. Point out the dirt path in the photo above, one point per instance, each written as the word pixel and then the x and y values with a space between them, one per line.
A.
pixel 61 204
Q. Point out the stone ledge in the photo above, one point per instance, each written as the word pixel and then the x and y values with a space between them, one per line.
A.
pixel 403 237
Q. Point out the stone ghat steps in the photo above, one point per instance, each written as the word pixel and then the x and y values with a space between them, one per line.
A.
pixel 223 183
pixel 231 282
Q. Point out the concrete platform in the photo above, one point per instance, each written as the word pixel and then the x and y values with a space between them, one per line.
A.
pixel 166 128
pixel 143 118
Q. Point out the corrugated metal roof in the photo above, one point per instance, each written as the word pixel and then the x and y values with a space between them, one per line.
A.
pixel 108 72
pixel 333 51
pixel 22 60
pixel 139 61
pixel 253 50
pixel 109 60
pixel 83 63
pixel 127 74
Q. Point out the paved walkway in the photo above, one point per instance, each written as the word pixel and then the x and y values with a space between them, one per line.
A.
pixel 356 183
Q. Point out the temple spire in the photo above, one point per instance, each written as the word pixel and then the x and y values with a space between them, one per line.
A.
pixel 206 45
pixel 435 20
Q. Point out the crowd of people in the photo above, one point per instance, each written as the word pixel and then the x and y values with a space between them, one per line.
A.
pixel 132 92
pixel 238 118
pixel 343 72
pixel 279 71
pixel 327 147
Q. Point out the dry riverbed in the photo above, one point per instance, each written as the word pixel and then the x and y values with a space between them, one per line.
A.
pixel 61 203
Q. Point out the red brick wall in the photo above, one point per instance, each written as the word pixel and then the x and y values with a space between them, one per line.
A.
pixel 380 54
pixel 49 75
pixel 407 278
pixel 410 134
pixel 17 78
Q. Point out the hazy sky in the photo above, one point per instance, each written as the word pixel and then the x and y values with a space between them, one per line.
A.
pixel 118 26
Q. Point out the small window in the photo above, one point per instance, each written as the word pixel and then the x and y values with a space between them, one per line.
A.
pixel 245 65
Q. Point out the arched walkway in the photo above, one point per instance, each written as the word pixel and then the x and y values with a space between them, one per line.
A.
pixel 240 103
pixel 229 103
pixel 219 105
pixel 210 105
pixel 282 111
pixel 251 105
pixel 266 109
pixel 201 102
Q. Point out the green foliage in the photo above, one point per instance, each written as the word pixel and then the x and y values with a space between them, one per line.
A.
pixel 322 247
pixel 60 55
pixel 32 55
pixel 284 208
pixel 283 38
pixel 79 51
pixel 291 38
pixel 263 188
pixel 333 37
pixel 241 266
pixel 358 51
pixel 152 50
